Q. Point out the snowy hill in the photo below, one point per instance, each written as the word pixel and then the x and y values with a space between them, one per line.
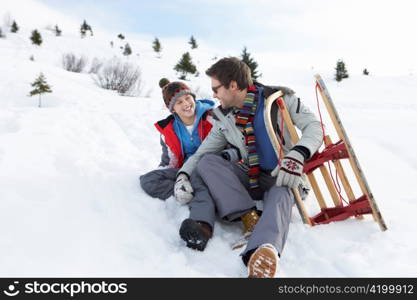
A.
pixel 70 203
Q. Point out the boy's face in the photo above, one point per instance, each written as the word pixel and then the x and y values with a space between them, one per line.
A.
pixel 185 106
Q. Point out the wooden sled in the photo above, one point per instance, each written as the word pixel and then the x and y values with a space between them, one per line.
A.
pixel 332 153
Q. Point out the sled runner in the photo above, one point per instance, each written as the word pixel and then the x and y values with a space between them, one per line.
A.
pixel 332 153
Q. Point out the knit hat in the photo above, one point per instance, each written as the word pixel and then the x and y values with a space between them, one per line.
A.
pixel 171 91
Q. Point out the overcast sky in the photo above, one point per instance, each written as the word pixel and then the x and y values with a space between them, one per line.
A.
pixel 378 34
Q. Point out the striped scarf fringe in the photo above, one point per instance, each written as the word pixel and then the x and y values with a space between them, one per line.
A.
pixel 244 121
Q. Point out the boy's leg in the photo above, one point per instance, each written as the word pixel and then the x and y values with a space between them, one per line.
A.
pixel 159 183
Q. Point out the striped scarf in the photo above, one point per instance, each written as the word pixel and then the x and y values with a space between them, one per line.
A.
pixel 244 121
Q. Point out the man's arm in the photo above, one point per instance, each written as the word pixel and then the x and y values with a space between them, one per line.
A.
pixel 306 121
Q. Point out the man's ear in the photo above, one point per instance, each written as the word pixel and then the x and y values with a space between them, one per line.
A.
pixel 233 85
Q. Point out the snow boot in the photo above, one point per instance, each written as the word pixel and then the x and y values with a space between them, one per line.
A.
pixel 249 221
pixel 263 263
pixel 195 234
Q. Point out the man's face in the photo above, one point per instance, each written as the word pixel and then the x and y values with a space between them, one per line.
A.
pixel 224 95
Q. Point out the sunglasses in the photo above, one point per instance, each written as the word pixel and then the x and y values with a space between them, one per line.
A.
pixel 215 88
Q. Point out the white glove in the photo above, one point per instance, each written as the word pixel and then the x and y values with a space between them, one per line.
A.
pixel 289 174
pixel 183 190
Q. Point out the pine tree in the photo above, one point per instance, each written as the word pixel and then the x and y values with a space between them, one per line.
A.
pixel 58 31
pixel 36 38
pixel 193 43
pixel 127 50
pixel 121 36
pixel 14 28
pixel 252 64
pixel 84 28
pixel 41 87
pixel 341 71
pixel 185 66
pixel 365 72
pixel 157 46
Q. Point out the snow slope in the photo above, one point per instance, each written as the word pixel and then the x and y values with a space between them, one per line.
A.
pixel 70 203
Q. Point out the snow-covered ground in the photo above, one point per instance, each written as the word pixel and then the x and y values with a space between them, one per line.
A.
pixel 71 205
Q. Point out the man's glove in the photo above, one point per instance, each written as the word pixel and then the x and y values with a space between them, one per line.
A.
pixel 289 174
pixel 183 190
pixel 231 155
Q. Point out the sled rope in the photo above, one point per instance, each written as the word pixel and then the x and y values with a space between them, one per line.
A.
pixel 281 137
pixel 335 182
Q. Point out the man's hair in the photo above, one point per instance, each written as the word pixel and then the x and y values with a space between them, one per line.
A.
pixel 231 68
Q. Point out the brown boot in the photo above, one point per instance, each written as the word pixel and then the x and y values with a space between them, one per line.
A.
pixel 263 263
pixel 249 221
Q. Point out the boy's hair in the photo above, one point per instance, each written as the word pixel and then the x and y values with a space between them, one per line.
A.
pixel 231 68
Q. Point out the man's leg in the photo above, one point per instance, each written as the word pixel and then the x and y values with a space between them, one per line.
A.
pixel 198 228
pixel 227 184
pixel 202 207
pixel 274 222
pixel 159 183
pixel 270 233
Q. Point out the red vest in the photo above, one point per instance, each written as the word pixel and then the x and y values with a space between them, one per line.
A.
pixel 166 128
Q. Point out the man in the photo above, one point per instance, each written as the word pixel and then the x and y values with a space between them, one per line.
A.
pixel 259 175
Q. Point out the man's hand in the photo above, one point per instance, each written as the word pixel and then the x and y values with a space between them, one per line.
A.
pixel 183 190
pixel 289 174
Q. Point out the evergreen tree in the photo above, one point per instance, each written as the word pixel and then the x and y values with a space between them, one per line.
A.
pixel 40 87
pixel 193 43
pixel 157 46
pixel 127 50
pixel 58 31
pixel 341 71
pixel 14 28
pixel 84 28
pixel 365 72
pixel 185 66
pixel 252 64
pixel 1 34
pixel 36 38
pixel 121 36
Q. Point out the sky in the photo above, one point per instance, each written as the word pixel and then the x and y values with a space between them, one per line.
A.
pixel 374 34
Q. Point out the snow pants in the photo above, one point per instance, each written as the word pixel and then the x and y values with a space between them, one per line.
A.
pixel 160 183
pixel 230 196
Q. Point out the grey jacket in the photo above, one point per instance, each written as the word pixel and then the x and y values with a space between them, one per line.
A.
pixel 225 131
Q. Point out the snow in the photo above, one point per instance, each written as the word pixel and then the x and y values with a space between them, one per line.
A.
pixel 70 202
